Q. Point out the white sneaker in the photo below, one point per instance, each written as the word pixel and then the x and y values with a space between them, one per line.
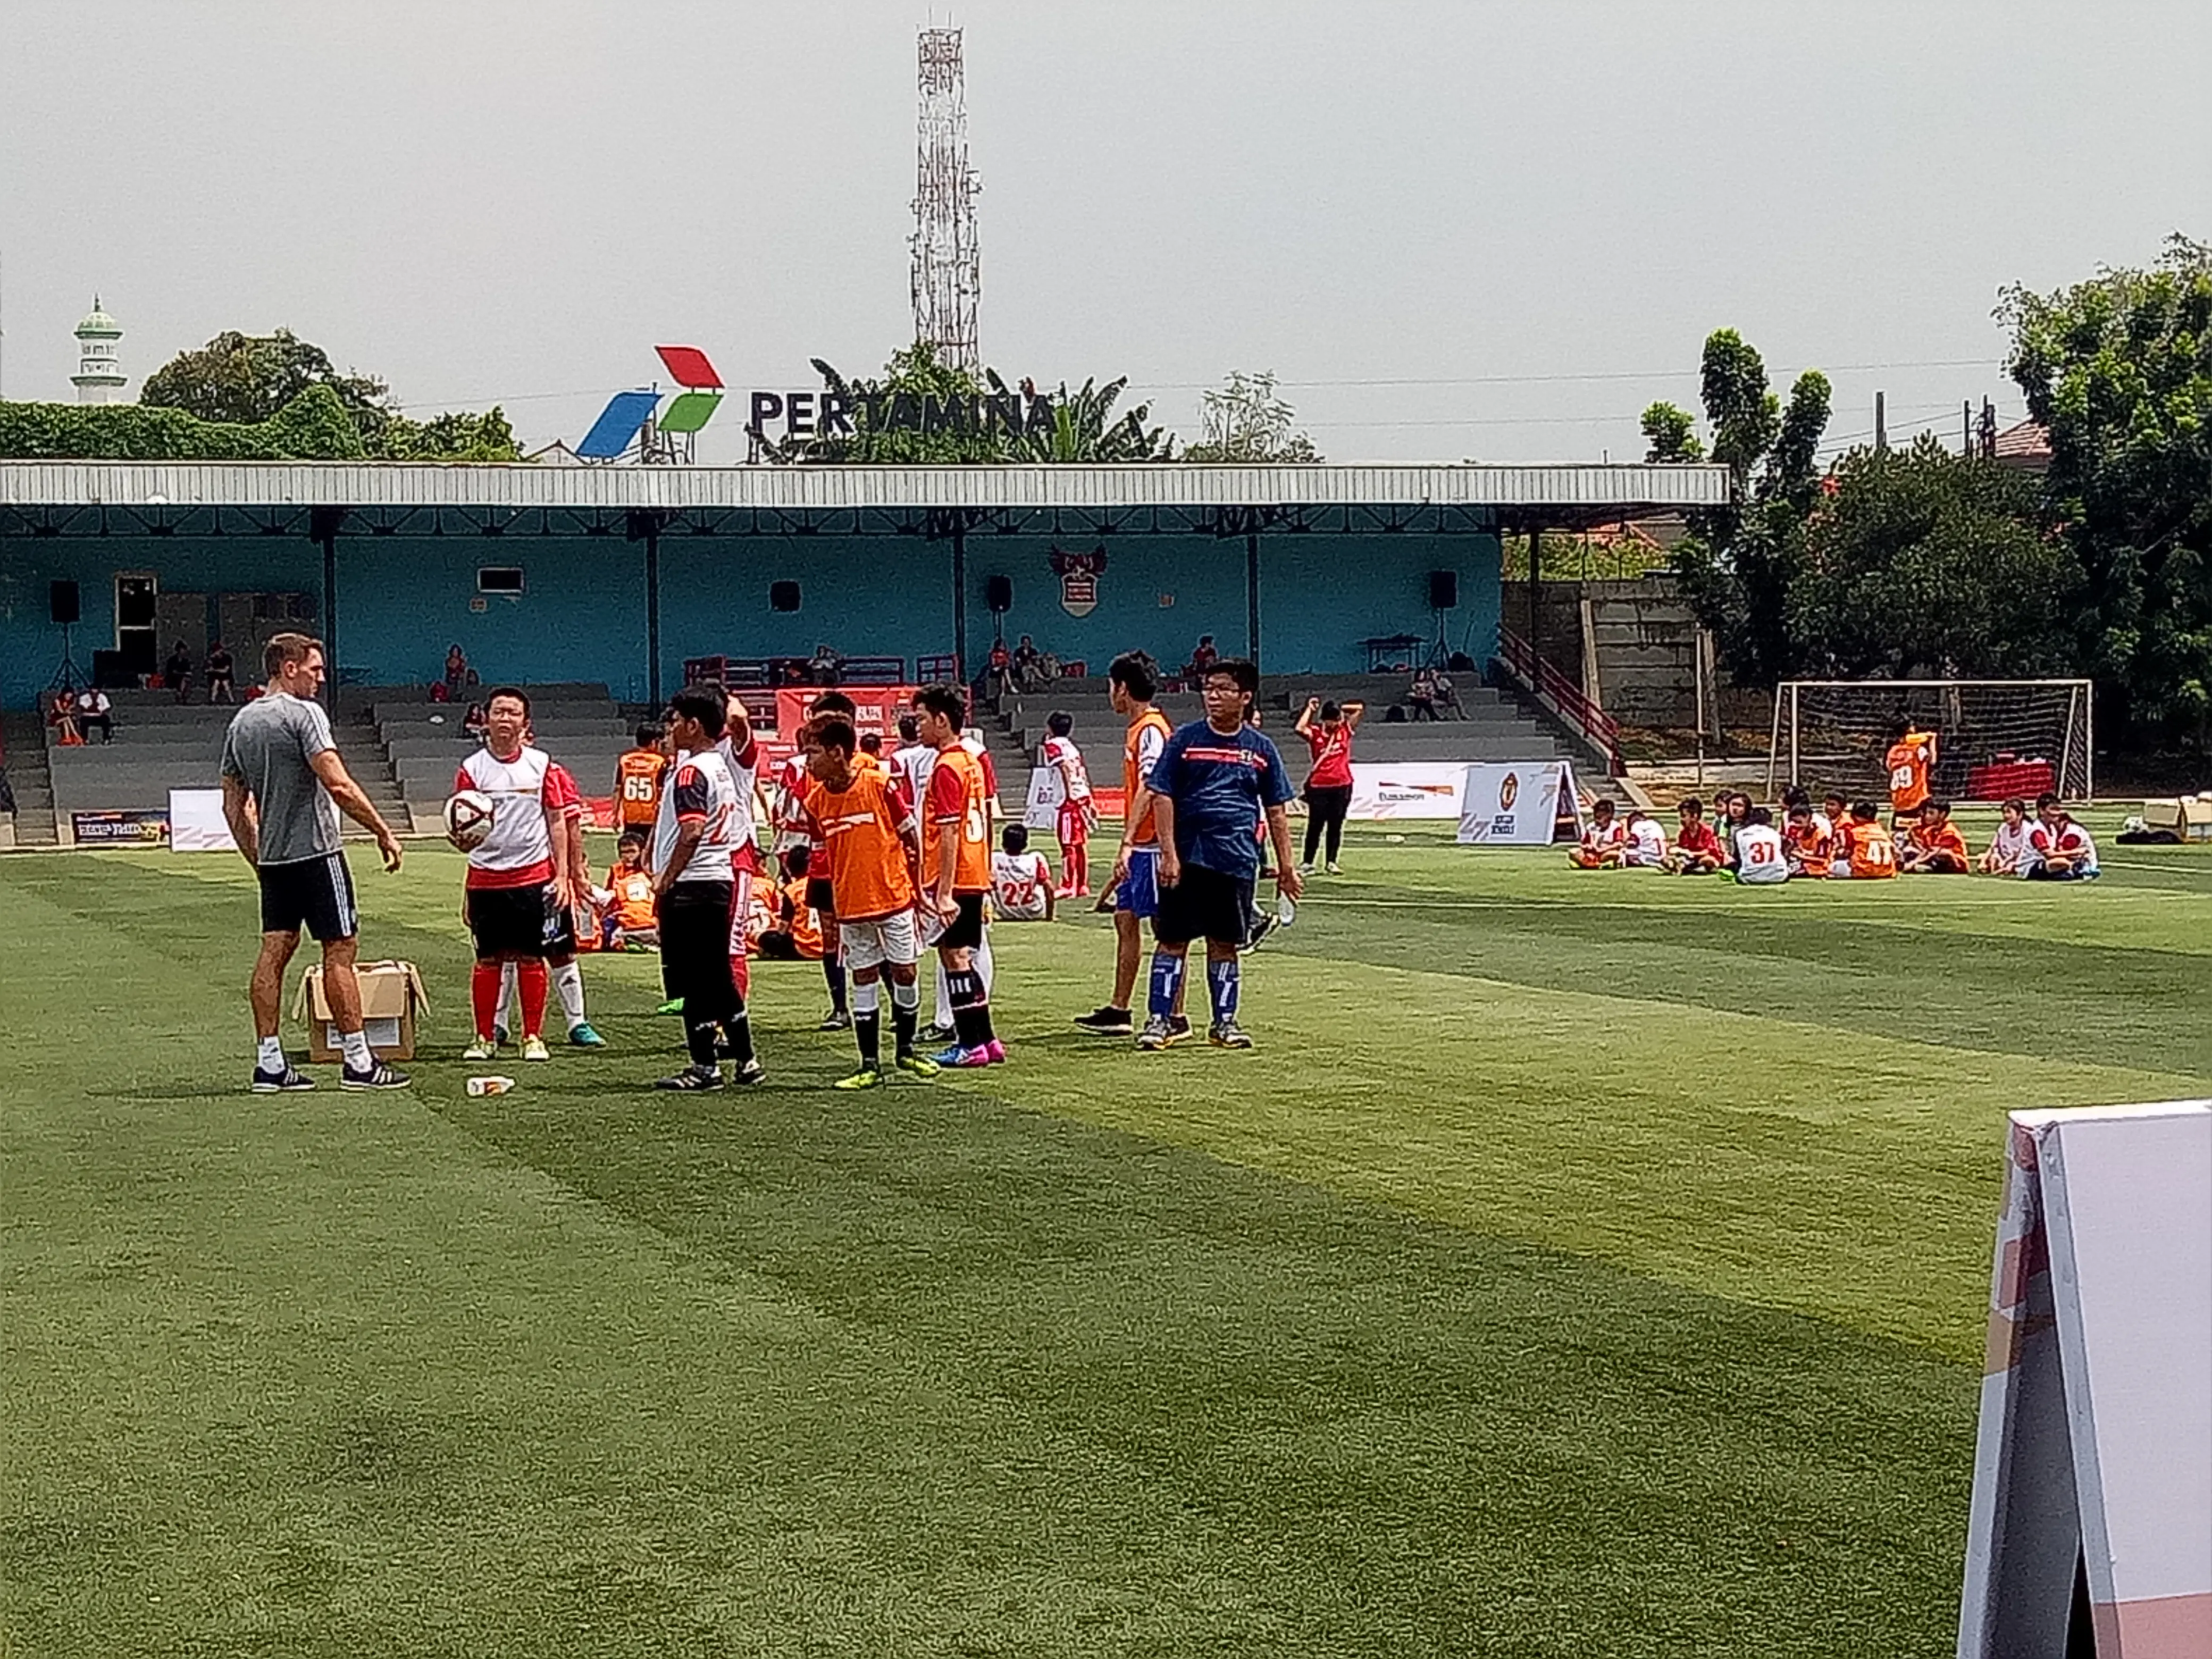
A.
pixel 482 1048
pixel 1334 868
pixel 1307 869
pixel 533 1048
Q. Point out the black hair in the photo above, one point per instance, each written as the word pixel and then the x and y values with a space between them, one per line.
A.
pixel 1242 670
pixel 696 702
pixel 1759 815
pixel 635 832
pixel 514 691
pixel 1692 804
pixel 1864 811
pixel 1796 795
pixel 830 731
pixel 2045 801
pixel 946 700
pixel 649 736
pixel 1330 711
pixel 1604 802
pixel 1135 672
pixel 831 703
pixel 1800 809
pixel 1936 803
pixel 2015 805
pixel 1015 838
pixel 795 860
pixel 872 742
pixel 1060 722
pixel 909 729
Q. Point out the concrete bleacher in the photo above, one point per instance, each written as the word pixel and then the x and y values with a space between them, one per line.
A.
pixel 578 723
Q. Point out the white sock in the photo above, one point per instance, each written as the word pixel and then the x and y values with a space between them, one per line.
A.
pixel 907 996
pixel 510 999
pixel 943 1019
pixel 355 1046
pixel 568 986
pixel 981 962
pixel 268 1054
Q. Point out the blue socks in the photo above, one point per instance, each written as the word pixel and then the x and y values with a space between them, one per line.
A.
pixel 1224 979
pixel 1167 981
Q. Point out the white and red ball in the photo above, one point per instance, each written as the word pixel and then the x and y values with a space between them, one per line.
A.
pixel 468 819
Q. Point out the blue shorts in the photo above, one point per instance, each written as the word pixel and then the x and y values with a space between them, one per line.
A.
pixel 1139 891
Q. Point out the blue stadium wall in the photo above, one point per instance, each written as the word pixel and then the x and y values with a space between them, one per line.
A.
pixel 401 601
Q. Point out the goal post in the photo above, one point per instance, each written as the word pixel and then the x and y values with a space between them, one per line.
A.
pixel 1995 739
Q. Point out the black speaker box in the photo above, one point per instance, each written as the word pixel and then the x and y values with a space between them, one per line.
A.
pixel 62 604
pixel 1443 590
pixel 999 594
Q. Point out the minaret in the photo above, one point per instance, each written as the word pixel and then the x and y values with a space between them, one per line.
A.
pixel 99 373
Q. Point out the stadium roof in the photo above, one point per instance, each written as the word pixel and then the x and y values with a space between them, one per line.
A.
pixel 1614 491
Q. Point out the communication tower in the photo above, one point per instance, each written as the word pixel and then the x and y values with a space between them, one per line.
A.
pixel 948 276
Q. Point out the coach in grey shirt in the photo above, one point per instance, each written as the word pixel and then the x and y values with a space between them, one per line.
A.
pixel 284 786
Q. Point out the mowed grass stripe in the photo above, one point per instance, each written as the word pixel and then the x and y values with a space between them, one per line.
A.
pixel 380 1391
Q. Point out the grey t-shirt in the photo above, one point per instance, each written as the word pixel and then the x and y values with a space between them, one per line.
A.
pixel 270 743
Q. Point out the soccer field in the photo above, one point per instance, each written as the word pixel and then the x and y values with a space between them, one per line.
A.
pixel 1583 1265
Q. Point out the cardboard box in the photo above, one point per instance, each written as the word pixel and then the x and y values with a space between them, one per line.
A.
pixel 390 996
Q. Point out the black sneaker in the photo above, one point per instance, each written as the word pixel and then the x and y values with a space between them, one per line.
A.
pixel 1107 1020
pixel 752 1072
pixel 1262 925
pixel 837 1019
pixel 1227 1033
pixel 692 1079
pixel 289 1081
pixel 378 1076
pixel 1178 1027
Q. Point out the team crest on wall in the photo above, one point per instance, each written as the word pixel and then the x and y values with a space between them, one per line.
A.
pixel 1079 575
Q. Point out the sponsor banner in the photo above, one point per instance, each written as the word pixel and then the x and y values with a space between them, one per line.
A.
pixel 1047 790
pixel 1518 804
pixel 1417 789
pixel 145 827
pixel 875 709
pixel 197 824
pixel 2094 1450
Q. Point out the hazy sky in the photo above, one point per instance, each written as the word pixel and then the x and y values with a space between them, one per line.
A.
pixel 1453 230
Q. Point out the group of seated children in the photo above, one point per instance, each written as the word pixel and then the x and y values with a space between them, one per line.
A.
pixel 1845 841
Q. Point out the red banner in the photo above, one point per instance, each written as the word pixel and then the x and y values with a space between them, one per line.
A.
pixel 875 709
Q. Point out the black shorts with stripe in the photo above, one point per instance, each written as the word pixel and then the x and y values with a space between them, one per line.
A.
pixel 316 893
pixel 512 921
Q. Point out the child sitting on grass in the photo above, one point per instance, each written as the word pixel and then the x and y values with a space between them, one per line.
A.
pixel 2058 850
pixel 1644 845
pixel 1760 856
pixel 1698 850
pixel 1936 847
pixel 1601 845
pixel 1871 854
pixel 2008 848
pixel 1805 843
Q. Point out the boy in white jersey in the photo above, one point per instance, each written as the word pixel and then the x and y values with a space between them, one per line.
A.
pixel 1077 815
pixel 520 887
pixel 693 840
pixel 570 926
pixel 1021 881
pixel 740 752
pixel 1760 855
pixel 912 762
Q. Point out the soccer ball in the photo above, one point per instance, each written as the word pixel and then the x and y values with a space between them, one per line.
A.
pixel 468 819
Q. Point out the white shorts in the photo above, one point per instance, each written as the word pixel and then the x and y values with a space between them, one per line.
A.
pixel 872 943
pixel 741 907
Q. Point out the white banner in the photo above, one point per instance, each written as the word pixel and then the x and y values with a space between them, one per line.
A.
pixel 2095 1444
pixel 197 824
pixel 1516 803
pixel 1412 789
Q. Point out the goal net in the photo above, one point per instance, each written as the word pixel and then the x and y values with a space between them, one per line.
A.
pixel 1995 739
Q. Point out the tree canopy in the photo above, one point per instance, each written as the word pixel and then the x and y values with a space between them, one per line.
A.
pixel 1248 422
pixel 312 427
pixel 2119 371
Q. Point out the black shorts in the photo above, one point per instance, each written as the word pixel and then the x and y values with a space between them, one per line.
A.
pixel 315 892
pixel 512 921
pixel 819 896
pixel 1204 904
pixel 965 930
pixel 695 949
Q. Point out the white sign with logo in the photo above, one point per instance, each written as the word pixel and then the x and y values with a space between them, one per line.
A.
pixel 1418 789
pixel 1047 790
pixel 197 824
pixel 1517 803
pixel 2094 1453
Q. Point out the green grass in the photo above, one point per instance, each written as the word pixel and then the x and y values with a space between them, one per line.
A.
pixel 1583 1265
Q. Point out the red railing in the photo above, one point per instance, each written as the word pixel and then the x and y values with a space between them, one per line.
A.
pixel 1561 695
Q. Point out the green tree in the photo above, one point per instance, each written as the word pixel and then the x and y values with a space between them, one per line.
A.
pixel 2119 370
pixel 1918 562
pixel 313 426
pixel 454 436
pixel 1086 428
pixel 1740 561
pixel 1246 421
pixel 1670 434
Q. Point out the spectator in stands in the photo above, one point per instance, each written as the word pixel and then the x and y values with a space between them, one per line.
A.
pixel 93 708
pixel 998 671
pixel 1203 656
pixel 825 667
pixel 218 675
pixel 1027 665
pixel 473 724
pixel 458 674
pixel 177 672
pixel 1421 696
pixel 61 717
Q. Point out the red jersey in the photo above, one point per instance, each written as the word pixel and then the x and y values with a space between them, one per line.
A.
pixel 1697 839
pixel 1332 756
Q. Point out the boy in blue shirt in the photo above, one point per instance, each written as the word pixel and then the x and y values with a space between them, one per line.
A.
pixel 1212 780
